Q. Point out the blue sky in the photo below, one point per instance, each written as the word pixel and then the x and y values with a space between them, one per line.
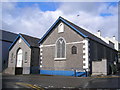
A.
pixel 53 6
pixel 35 18
pixel 44 6
pixel 113 4
pixel 106 14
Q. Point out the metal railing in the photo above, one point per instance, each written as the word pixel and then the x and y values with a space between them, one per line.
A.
pixel 74 71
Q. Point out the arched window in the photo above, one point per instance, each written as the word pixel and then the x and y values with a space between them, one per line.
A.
pixel 60 48
pixel 19 58
pixel 74 50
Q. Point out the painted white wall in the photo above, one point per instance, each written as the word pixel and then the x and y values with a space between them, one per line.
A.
pixel 107 39
pixel 41 55
pixel 99 67
pixel 86 54
pixel 113 40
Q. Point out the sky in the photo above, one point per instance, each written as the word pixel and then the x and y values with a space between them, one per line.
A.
pixel 35 18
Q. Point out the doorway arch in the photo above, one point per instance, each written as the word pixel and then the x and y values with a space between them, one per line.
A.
pixel 19 62
pixel 19 58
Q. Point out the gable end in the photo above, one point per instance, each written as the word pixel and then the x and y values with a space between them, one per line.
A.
pixel 65 22
pixel 19 36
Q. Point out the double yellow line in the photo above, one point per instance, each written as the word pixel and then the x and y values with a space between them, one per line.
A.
pixel 30 85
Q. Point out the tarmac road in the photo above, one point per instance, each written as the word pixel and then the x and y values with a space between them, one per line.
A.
pixel 39 82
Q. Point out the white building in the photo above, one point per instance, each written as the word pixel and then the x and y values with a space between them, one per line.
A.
pixel 109 40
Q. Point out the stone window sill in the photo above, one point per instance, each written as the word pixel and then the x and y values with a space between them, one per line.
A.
pixel 59 59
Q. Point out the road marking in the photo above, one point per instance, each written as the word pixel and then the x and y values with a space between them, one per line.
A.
pixel 30 85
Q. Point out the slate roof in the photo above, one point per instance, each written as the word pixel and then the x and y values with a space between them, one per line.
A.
pixel 77 29
pixel 29 40
pixel 33 41
pixel 90 35
pixel 7 36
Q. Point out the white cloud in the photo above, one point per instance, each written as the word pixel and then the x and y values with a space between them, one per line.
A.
pixel 89 16
pixel 34 22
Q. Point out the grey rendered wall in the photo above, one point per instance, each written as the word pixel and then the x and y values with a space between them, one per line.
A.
pixel 99 67
pixel 35 54
pixel 26 65
pixel 71 61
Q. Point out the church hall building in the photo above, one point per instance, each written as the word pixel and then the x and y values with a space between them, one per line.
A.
pixel 67 49
pixel 24 55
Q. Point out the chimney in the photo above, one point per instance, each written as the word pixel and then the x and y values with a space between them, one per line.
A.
pixel 114 37
pixel 99 32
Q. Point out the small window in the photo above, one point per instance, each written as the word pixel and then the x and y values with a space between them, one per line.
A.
pixel 61 28
pixel 25 56
pixel 12 58
pixel 74 50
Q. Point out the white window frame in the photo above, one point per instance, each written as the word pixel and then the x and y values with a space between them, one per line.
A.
pixel 56 49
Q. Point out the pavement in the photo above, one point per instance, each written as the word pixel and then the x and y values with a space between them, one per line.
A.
pixel 41 82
